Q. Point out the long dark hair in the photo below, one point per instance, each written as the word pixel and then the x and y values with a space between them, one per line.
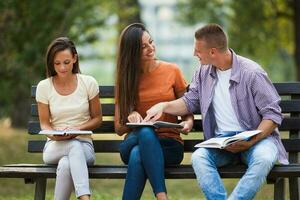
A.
pixel 57 45
pixel 128 69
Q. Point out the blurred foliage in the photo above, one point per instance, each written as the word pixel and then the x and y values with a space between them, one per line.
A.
pixel 260 30
pixel 26 29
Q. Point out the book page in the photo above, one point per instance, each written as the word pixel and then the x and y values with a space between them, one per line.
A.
pixel 247 134
pixel 213 143
pixel 157 124
pixel 161 124
pixel 51 132
pixel 222 142
pixel 56 132
pixel 140 124
pixel 80 132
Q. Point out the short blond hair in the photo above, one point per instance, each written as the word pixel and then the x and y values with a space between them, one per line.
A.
pixel 213 35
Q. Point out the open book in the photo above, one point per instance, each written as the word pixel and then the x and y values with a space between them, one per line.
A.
pixel 222 142
pixel 68 132
pixel 156 124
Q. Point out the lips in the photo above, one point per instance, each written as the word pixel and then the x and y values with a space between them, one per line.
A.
pixel 150 54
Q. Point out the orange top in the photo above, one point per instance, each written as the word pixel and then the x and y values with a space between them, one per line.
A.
pixel 161 84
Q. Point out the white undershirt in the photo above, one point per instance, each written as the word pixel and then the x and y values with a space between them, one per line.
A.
pixel 224 114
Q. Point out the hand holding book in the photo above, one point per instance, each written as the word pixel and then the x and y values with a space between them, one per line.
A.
pixel 224 142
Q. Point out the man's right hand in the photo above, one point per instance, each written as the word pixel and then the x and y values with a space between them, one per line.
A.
pixel 155 112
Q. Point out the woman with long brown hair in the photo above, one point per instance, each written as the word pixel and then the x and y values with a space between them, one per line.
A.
pixel 142 81
pixel 68 100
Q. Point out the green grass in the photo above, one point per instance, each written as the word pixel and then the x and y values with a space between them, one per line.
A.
pixel 13 149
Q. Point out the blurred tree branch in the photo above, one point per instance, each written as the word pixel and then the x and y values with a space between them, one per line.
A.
pixel 26 29
pixel 266 31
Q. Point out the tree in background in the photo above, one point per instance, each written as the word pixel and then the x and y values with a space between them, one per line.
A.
pixel 128 12
pixel 26 29
pixel 266 31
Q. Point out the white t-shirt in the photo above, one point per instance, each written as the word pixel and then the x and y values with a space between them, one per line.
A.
pixel 68 110
pixel 224 114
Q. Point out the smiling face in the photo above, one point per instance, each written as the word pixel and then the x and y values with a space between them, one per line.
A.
pixel 148 47
pixel 203 52
pixel 64 62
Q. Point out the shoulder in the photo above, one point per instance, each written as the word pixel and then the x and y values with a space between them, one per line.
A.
pixel 43 90
pixel 46 83
pixel 250 68
pixel 169 66
pixel 87 79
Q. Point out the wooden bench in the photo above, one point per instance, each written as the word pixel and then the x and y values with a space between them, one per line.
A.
pixel 39 173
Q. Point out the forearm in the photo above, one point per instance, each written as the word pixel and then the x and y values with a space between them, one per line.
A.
pixel 121 130
pixel 267 127
pixel 188 118
pixel 91 124
pixel 176 107
pixel 46 126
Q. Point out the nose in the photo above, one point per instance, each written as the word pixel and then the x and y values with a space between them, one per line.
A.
pixel 62 66
pixel 151 47
pixel 195 53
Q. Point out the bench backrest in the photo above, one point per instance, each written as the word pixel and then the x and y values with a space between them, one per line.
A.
pixel 290 104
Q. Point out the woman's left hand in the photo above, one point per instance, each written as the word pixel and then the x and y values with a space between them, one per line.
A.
pixel 187 126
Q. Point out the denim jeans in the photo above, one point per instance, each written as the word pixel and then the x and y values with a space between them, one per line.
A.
pixel 260 159
pixel 146 156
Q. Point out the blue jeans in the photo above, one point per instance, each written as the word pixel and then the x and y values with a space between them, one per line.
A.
pixel 260 159
pixel 146 156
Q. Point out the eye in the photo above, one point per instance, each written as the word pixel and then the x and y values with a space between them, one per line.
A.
pixel 67 62
pixel 143 46
pixel 56 63
pixel 151 41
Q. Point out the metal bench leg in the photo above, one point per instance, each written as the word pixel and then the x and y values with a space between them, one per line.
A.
pixel 279 189
pixel 40 189
pixel 294 188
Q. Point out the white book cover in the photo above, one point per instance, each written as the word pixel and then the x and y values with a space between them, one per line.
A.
pixel 156 124
pixel 222 142
pixel 65 132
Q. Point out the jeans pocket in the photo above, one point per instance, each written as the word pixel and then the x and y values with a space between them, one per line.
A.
pixel 126 147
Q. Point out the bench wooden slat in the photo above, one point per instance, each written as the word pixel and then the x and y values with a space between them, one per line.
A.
pixel 287 88
pixel 119 171
pixel 287 106
pixel 108 126
pixel 112 146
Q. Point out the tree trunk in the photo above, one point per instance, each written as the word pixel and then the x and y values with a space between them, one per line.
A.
pixel 128 12
pixel 297 36
pixel 21 111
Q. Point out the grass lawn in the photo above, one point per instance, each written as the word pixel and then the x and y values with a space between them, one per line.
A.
pixel 13 149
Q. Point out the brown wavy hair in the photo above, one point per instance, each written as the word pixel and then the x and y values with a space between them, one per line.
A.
pixel 128 69
pixel 57 45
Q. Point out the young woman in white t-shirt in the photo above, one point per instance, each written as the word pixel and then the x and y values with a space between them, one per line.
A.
pixel 68 100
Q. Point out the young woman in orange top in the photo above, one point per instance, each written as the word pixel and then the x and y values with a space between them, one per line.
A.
pixel 143 81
